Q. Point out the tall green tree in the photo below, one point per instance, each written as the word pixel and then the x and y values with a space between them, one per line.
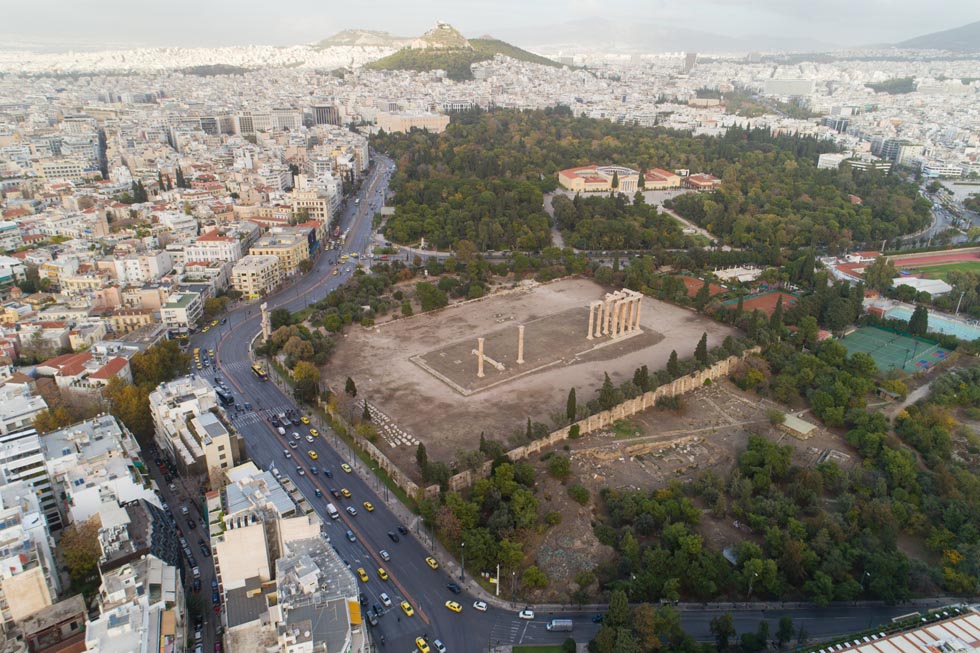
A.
pixel 701 351
pixel 350 388
pixel 880 274
pixel 673 365
pixel 703 296
pixel 919 322
pixel 607 394
pixel 723 629
pixel 570 406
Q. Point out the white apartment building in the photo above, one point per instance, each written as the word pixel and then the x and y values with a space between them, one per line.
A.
pixel 318 606
pixel 62 169
pixel 29 579
pixel 18 408
pixel 189 427
pixel 830 160
pixel 10 239
pixel 255 275
pixel 182 312
pixel 266 545
pixel 22 459
pixel 214 246
pixel 92 462
pixel 141 608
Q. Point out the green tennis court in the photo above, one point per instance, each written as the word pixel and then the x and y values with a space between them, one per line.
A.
pixel 893 350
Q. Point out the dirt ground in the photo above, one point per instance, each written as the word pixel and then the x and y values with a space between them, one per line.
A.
pixel 651 450
pixel 427 409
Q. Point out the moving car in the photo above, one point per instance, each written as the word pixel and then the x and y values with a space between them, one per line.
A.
pixel 346 467
pixel 393 536
pixel 362 574
pixel 385 600
pixel 384 555
pixel 480 605
pixel 432 562
pixel 382 574
pixel 407 608
pixel 314 433
pixel 312 454
pixel 454 588
pixel 422 645
pixel 455 607
pixel 368 506
pixel 351 537
pixel 439 646
pixel 352 511
pixel 345 492
pixel 304 419
pixel 526 614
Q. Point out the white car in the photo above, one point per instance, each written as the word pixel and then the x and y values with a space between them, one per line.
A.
pixel 480 605
pixel 439 646
pixel 385 600
pixel 526 614
pixel 384 555
pixel 309 438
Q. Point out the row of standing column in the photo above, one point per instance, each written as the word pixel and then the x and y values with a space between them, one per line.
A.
pixel 614 316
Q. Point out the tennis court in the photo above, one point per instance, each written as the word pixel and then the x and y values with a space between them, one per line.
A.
pixel 893 350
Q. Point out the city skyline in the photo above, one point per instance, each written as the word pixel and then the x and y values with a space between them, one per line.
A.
pixel 58 25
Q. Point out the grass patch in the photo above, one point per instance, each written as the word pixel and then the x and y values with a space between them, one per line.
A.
pixel 623 429
pixel 942 270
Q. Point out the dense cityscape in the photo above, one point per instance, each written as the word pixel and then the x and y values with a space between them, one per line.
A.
pixel 441 344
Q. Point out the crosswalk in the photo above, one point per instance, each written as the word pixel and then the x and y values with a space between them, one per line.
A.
pixel 508 632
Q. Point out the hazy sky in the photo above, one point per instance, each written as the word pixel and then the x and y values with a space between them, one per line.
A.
pixel 231 22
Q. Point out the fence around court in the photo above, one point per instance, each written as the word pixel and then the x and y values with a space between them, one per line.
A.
pixel 893 349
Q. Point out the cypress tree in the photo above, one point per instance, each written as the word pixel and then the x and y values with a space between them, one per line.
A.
pixel 701 352
pixel 570 407
pixel 673 367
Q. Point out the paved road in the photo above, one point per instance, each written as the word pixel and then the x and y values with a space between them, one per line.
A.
pixel 410 578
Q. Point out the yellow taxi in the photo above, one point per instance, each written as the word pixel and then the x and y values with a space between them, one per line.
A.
pixel 432 562
pixel 304 419
pixel 214 323
pixel 346 468
pixel 205 329
pixel 362 574
pixel 345 492
pixel 335 272
pixel 369 506
pixel 455 607
pixel 422 645
pixel 382 574
pixel 407 608
pixel 314 433
pixel 312 455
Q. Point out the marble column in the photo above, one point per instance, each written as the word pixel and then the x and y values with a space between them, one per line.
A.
pixel 591 320
pixel 479 358
pixel 631 315
pixel 520 343
pixel 639 305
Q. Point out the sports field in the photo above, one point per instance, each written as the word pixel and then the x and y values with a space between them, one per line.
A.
pixel 893 350
pixel 940 270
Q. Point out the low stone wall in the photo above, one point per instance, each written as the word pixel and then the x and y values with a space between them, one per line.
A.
pixel 410 487
pixel 606 418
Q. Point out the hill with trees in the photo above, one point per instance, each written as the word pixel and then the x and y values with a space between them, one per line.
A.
pixel 444 48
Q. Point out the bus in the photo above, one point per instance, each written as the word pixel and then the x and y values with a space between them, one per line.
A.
pixel 260 373
pixel 226 398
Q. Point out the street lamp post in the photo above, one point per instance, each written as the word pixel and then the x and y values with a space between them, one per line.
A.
pixel 462 563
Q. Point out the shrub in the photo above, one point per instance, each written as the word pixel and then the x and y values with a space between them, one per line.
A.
pixel 579 494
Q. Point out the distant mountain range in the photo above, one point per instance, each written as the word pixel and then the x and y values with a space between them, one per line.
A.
pixel 958 39
pixel 442 48
pixel 636 37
